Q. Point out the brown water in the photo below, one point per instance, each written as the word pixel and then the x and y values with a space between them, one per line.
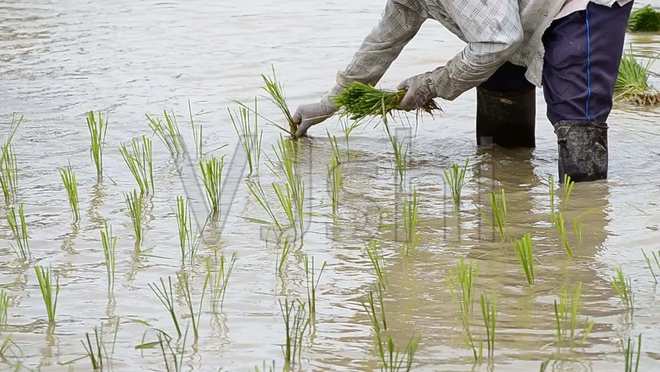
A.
pixel 61 59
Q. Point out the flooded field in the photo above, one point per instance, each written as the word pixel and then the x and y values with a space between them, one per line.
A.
pixel 59 60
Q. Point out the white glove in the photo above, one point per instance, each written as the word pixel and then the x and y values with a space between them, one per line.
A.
pixel 312 114
pixel 420 90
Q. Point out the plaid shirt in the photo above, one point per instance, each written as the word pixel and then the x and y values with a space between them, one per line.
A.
pixel 496 31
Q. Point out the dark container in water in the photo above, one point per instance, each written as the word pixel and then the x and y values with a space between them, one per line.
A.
pixel 506 109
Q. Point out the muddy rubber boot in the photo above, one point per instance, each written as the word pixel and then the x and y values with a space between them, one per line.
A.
pixel 582 150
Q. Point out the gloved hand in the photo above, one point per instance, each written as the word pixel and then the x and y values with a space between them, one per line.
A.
pixel 312 114
pixel 420 90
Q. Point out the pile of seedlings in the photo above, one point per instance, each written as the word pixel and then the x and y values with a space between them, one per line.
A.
pixel 644 19
pixel 632 83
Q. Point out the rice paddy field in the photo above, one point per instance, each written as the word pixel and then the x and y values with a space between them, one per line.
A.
pixel 192 239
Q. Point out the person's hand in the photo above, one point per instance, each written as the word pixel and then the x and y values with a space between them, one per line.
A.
pixel 312 114
pixel 419 91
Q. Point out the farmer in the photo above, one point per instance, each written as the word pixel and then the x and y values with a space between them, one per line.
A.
pixel 571 47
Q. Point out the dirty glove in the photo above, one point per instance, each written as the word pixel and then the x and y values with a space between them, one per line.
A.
pixel 420 90
pixel 314 113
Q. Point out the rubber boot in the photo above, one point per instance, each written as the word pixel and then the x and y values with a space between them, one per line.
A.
pixel 582 150
pixel 506 109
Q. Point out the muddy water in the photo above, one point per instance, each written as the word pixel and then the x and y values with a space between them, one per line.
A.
pixel 62 59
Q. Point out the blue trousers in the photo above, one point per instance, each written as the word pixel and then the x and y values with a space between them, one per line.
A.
pixel 582 55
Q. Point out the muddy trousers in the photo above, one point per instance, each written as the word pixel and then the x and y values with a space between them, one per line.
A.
pixel 582 55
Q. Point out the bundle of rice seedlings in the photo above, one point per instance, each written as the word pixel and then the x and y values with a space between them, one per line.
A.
pixel 358 101
pixel 632 83
pixel 644 19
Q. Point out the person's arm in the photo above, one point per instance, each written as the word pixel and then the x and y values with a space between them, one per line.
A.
pixel 398 25
pixel 493 31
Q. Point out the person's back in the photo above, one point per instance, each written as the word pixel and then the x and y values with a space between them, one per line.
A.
pixel 572 48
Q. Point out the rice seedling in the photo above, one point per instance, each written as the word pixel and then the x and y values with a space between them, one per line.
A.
pixel 577 229
pixel 499 212
pixel 622 286
pixel 400 150
pixel 335 175
pixel 463 279
pixel 211 170
pixel 95 352
pixel 335 179
pixel 4 307
pixel 525 249
pixel 198 134
pixel 184 284
pixel 218 279
pixel 172 353
pixel 632 83
pixel 391 358
pixel 264 368
pixel 312 281
pixel 336 154
pixel 631 356
pixel 489 314
pixel 560 226
pixel 567 189
pixel 135 204
pixel 455 179
pixel 8 167
pixel 165 294
pixel 567 310
pixel 290 194
pixel 276 92
pixel 109 243
pixel 249 135
pixel 348 126
pixel 71 186
pixel 97 126
pixel 287 196
pixel 359 101
pixel 377 262
pixel 285 250
pixel 296 321
pixel 168 132
pixel 8 174
pixel 283 164
pixel 138 157
pixel 644 19
pixel 49 291
pixel 462 286
pixel 410 220
pixel 10 350
pixel 19 229
pixel 650 265
pixel 188 238
pixel 15 122
pixel 257 191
